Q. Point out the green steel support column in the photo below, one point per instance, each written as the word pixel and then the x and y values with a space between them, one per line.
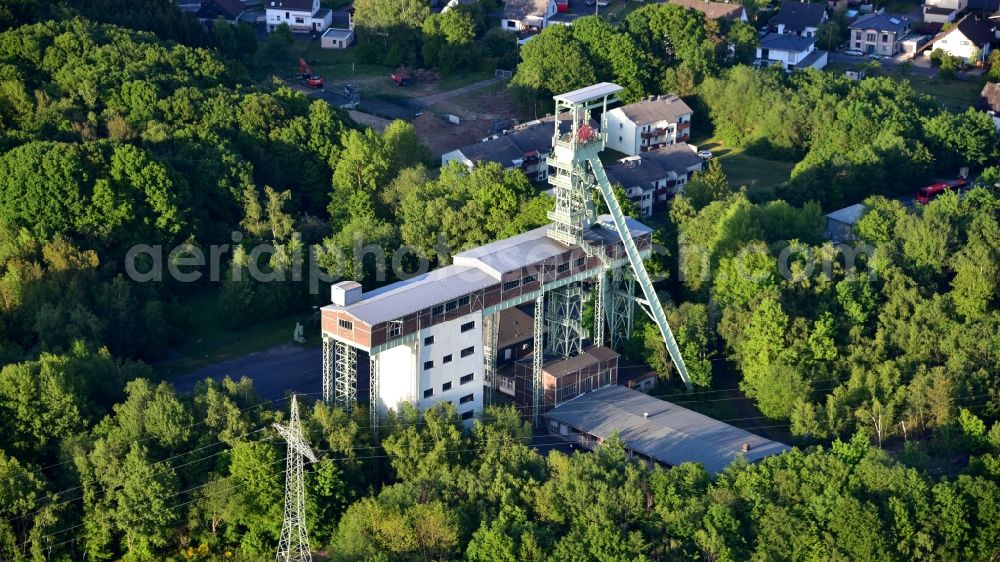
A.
pixel 373 393
pixel 491 328
pixel 537 357
pixel 600 294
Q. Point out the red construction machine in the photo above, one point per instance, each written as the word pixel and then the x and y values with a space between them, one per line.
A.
pixel 308 77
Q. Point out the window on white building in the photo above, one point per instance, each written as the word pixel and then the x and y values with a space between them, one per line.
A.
pixel 446 386
pixel 467 415
pixel 446 359
pixel 468 351
pixel 428 393
pixel 467 398
pixel 466 378
pixel 428 340
pixel 428 365
pixel 468 326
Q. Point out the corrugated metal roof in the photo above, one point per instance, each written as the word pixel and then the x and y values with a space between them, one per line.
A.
pixel 415 294
pixel 511 254
pixel 670 434
pixel 589 93
pixel 471 270
pixel 848 215
pixel 579 362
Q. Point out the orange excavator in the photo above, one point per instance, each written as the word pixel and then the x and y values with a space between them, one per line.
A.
pixel 307 76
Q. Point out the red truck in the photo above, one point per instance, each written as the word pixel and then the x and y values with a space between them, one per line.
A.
pixel 927 194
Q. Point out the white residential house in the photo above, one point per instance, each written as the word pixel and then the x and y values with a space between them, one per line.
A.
pixel 943 11
pixel 649 124
pixel 968 40
pixel 525 15
pixel 302 16
pixel 792 52
pixel 878 33
pixel 799 18
pixel 653 177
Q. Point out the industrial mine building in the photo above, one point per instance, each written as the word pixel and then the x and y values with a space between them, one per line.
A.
pixel 440 336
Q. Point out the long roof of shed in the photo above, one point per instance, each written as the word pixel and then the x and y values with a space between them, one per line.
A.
pixel 471 271
pixel 670 433
pixel 417 293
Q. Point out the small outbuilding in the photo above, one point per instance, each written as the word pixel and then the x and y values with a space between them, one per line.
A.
pixel 334 38
pixel 840 223
pixel 565 379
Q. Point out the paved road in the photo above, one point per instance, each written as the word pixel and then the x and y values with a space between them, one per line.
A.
pixel 274 371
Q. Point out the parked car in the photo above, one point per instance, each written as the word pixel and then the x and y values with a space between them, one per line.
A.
pixel 875 56
pixel 853 53
pixel 705 154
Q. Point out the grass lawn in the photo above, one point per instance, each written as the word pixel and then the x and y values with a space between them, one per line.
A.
pixel 955 94
pixel 211 340
pixel 341 66
pixel 759 175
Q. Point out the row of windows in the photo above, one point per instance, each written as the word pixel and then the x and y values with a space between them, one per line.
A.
pixel 464 328
pixel 561 268
pixel 448 385
pixel 450 305
pixel 447 358
pixel 871 36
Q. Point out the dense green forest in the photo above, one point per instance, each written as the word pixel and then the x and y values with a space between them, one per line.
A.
pixel 125 123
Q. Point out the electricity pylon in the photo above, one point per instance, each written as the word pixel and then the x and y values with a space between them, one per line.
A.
pixel 294 543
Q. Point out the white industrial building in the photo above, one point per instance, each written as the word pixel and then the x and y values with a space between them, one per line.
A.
pixel 792 52
pixel 425 335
